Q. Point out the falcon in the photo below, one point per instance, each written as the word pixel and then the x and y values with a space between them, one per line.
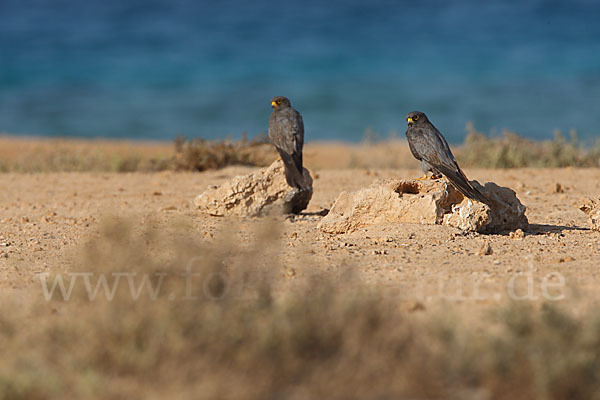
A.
pixel 431 149
pixel 286 131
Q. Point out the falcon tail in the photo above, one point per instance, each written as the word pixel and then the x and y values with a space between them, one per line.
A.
pixel 462 184
pixel 293 175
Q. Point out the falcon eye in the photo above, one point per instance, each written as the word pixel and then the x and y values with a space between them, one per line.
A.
pixel 415 118
pixel 279 101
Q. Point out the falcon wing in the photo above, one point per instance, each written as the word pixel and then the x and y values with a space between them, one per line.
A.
pixel 286 130
pixel 433 148
pixel 427 146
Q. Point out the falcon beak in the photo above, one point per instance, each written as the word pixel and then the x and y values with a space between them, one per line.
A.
pixel 273 104
pixel 409 120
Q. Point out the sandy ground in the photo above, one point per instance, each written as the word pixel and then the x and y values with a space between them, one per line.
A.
pixel 45 218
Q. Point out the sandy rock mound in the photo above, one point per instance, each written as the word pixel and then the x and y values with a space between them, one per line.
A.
pixel 592 208
pixel 425 202
pixel 264 192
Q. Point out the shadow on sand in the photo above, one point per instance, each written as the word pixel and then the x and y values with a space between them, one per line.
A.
pixel 541 229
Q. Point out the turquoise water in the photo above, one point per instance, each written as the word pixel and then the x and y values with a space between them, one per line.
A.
pixel 152 69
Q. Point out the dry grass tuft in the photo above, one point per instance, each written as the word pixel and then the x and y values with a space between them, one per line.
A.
pixel 513 151
pixel 200 155
pixel 251 333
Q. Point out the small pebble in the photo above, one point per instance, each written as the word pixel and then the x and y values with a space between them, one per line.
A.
pixel 518 234
pixel 486 249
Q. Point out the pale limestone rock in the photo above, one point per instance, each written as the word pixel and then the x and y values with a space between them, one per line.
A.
pixel 264 192
pixel 506 213
pixel 425 202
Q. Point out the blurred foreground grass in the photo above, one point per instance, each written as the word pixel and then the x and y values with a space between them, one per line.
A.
pixel 252 332
pixel 479 150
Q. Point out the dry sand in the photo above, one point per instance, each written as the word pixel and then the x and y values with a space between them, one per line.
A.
pixel 46 218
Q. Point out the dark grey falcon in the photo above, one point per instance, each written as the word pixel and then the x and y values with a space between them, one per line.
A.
pixel 286 131
pixel 429 147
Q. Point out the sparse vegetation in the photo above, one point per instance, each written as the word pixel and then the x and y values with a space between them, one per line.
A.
pixel 376 151
pixel 252 333
pixel 199 154
pixel 75 155
pixel 513 151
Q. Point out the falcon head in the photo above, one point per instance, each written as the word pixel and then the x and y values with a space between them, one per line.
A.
pixel 416 118
pixel 280 102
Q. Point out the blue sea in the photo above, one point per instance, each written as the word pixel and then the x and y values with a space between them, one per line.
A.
pixel 154 69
